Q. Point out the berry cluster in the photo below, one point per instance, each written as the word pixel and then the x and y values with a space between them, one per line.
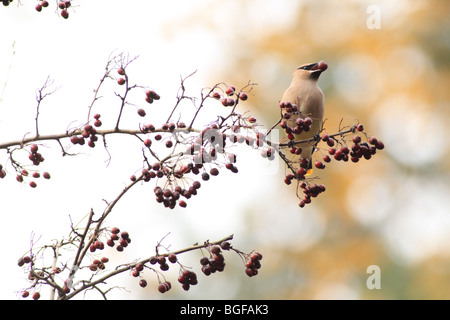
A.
pixel 231 97
pixel 137 270
pixel 89 134
pixel 124 239
pixel 35 156
pixel 169 198
pixel 187 279
pixel 98 264
pixel 292 128
pixel 24 260
pixel 29 260
pixel 163 265
pixel 216 262
pixel 310 191
pixel 62 5
pixel 162 261
pixel 338 149
pixel 253 264
pixel 151 95
pixel 36 295
pixel 35 175
pixel 42 4
pixel 121 71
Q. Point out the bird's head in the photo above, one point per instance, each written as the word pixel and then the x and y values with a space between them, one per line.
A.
pixel 312 70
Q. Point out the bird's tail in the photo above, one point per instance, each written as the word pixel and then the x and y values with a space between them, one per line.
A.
pixel 309 169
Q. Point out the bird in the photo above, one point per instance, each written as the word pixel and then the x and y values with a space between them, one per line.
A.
pixel 304 99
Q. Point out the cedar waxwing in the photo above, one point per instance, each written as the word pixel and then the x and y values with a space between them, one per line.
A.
pixel 304 92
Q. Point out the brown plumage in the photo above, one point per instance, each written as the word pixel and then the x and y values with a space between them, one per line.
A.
pixel 304 92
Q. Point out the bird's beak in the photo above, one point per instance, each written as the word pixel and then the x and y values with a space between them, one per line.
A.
pixel 319 66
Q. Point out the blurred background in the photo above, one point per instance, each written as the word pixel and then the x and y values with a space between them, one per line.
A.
pixel 389 67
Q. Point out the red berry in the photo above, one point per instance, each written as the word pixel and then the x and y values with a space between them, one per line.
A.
pixel 373 141
pixel 230 90
pixel 148 143
pixel 38 7
pixel 243 96
pixel 121 81
pixel 301 172
pixel 33 184
pixel 36 295
pixel 256 256
pixel 169 143
pixel 143 283
pixel 65 15
pixel 380 145
pixel 115 230
pixel 34 148
pixel 215 249
pixel 141 112
pixel 97 123
pixel 121 71
pixel 62 5
pixel 360 127
pixel 44 3
pixel 215 95
pixel 330 142
pixel 162 288
pixel 356 139
pixel 182 204
pixel 25 294
pixel 251 272
pixel 319 165
pixel 172 257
